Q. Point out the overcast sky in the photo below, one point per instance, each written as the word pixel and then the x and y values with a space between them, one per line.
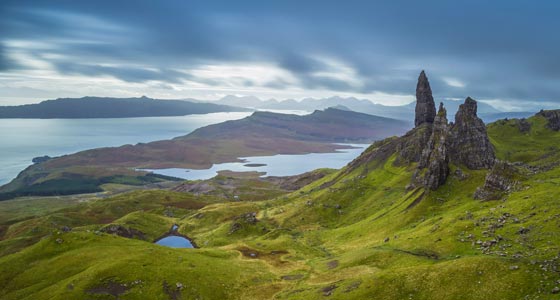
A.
pixel 503 52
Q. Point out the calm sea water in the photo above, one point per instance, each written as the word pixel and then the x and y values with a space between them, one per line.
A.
pixel 23 139
pixel 277 165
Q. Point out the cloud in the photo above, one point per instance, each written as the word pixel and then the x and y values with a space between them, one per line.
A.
pixel 489 50
pixel 3 61
pixel 130 74
pixel 453 82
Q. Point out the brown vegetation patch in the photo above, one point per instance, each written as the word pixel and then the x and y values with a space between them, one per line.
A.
pixel 332 264
pixel 292 277
pixel 187 204
pixel 110 287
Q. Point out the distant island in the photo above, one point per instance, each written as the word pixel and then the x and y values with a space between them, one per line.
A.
pixel 101 107
pixel 261 134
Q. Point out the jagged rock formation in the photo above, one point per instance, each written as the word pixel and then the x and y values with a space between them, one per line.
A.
pixel 469 144
pixel 425 106
pixel 434 143
pixel 553 117
pixel 435 156
pixel 500 180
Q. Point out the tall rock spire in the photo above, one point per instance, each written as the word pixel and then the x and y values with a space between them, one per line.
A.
pixel 425 106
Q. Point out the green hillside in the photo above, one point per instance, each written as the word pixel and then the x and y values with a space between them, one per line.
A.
pixel 354 234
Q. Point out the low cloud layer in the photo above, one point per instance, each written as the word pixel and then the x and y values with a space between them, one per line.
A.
pixel 500 51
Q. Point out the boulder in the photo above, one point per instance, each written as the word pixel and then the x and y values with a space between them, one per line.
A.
pixel 500 180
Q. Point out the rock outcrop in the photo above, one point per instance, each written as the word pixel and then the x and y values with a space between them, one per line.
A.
pixel 469 142
pixel 124 231
pixel 500 180
pixel 435 156
pixel 425 106
pixel 409 147
pixel 553 117
pixel 523 125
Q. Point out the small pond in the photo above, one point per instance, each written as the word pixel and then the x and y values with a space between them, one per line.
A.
pixel 175 241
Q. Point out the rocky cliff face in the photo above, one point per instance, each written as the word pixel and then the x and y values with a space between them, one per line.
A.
pixel 553 117
pixel 469 143
pixel 409 147
pixel 435 156
pixel 425 106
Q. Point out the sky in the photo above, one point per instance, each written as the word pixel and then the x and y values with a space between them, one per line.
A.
pixel 505 53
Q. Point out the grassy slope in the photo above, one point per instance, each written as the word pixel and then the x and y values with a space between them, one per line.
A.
pixel 361 238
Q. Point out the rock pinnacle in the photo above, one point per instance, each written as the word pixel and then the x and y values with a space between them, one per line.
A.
pixel 425 106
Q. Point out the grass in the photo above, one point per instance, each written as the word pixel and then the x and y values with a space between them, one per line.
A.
pixel 364 237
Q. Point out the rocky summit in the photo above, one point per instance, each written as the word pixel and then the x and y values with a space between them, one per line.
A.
pixel 553 118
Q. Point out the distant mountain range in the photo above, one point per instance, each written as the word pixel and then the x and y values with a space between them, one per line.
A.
pixel 403 112
pixel 107 107
pixel 98 107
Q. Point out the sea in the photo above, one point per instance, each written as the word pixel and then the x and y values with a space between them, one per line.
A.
pixel 23 139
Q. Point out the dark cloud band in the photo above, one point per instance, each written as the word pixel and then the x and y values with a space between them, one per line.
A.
pixel 493 50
